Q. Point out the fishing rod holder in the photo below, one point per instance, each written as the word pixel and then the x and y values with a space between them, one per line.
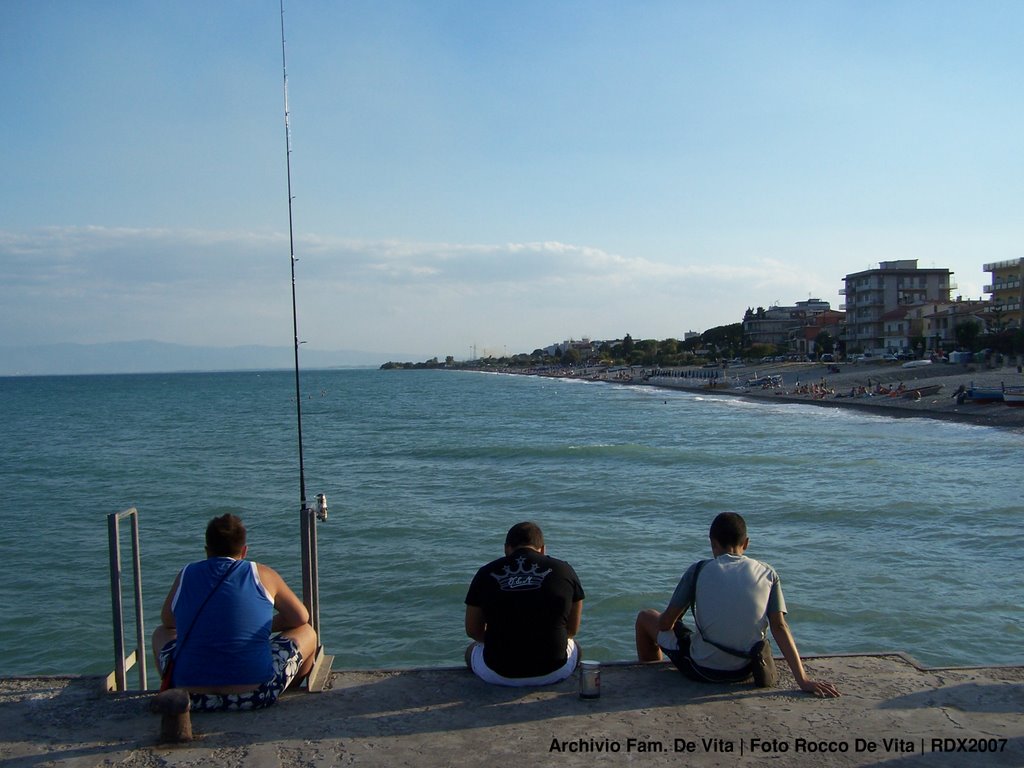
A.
pixel 308 517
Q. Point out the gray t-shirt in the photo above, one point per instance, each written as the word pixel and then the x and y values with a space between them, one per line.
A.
pixel 734 596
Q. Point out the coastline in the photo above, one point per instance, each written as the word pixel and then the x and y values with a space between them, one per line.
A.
pixel 850 377
pixel 893 712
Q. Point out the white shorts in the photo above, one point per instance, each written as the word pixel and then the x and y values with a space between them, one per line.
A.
pixel 488 675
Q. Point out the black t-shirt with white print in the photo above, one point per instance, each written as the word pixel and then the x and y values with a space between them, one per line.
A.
pixel 526 599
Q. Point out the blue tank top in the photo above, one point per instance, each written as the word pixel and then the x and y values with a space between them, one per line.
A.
pixel 230 642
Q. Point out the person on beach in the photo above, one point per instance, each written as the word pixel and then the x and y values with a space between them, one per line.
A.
pixel 522 611
pixel 734 599
pixel 232 631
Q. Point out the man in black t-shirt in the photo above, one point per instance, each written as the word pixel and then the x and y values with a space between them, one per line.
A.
pixel 523 610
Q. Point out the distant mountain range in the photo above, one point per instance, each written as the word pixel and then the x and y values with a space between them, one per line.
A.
pixel 160 357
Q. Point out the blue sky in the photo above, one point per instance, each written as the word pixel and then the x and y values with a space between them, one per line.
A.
pixel 497 175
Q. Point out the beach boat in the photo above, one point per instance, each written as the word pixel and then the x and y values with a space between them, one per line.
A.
pixel 983 395
pixel 765 382
pixel 916 393
pixel 1014 397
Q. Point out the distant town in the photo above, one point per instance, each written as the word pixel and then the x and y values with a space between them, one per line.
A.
pixel 896 312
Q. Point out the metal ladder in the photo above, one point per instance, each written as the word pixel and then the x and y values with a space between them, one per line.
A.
pixel 117 680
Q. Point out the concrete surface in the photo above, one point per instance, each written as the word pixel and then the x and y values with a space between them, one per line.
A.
pixel 892 713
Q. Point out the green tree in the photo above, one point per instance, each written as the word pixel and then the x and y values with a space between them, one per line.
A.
pixel 967 334
pixel 998 331
pixel 724 337
pixel 646 352
pixel 627 346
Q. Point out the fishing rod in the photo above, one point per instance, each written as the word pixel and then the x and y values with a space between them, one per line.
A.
pixel 308 515
pixel 291 253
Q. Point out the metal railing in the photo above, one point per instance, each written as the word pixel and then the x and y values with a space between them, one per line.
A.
pixel 117 680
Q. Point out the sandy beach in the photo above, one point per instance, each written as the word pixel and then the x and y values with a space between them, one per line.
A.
pixel 893 713
pixel 850 378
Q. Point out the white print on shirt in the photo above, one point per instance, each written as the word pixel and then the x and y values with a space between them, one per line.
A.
pixel 520 579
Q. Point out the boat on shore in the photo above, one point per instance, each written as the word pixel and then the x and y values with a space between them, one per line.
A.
pixel 916 393
pixel 1014 397
pixel 982 395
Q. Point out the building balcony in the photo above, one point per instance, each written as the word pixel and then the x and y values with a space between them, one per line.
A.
pixel 1008 264
pixel 1009 285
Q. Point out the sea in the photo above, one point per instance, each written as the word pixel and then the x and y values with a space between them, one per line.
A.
pixel 889 534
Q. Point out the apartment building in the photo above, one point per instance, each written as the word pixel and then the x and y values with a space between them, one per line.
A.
pixel 935 323
pixel 775 325
pixel 1007 289
pixel 874 293
pixel 897 329
pixel 804 340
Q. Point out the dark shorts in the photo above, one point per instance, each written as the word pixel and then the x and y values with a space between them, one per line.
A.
pixel 286 658
pixel 680 656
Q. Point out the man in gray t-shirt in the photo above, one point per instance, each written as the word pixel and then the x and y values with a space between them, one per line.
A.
pixel 734 600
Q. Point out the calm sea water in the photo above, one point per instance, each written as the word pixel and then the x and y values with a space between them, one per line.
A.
pixel 889 534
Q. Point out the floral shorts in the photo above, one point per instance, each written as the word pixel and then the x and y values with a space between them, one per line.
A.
pixel 286 658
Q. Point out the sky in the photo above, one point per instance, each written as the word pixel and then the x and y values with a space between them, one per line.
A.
pixel 490 177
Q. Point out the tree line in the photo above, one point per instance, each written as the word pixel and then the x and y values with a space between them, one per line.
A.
pixel 724 342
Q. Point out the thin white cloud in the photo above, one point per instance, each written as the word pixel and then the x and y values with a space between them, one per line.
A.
pixel 224 288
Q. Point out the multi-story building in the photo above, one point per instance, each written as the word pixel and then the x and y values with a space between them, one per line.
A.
pixel 775 325
pixel 804 340
pixel 897 327
pixel 873 293
pixel 1007 289
pixel 937 323
pixel 585 347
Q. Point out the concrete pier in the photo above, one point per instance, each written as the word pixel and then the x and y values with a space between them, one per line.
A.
pixel 892 713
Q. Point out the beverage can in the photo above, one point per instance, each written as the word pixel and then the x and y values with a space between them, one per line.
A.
pixel 590 680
